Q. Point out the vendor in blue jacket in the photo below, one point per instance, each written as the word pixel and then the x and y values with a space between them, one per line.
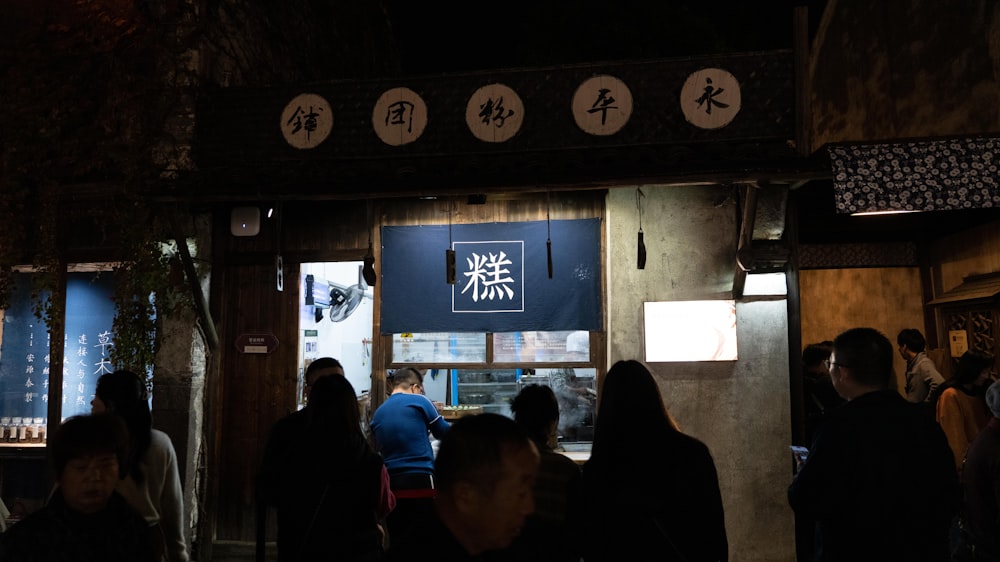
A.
pixel 401 426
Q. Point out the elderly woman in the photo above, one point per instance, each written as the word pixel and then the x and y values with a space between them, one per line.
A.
pixel 85 518
pixel 151 484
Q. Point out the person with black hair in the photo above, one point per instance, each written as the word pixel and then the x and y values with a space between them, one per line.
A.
pixel 981 485
pixel 648 487
pixel 880 480
pixel 551 532
pixel 961 406
pixel 85 519
pixel 922 376
pixel 485 471
pixel 821 399
pixel 401 426
pixel 152 483
pixel 318 368
pixel 327 484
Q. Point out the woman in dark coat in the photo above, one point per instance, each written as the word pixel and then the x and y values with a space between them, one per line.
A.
pixel 326 482
pixel 651 492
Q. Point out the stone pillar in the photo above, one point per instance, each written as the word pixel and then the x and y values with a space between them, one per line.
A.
pixel 179 388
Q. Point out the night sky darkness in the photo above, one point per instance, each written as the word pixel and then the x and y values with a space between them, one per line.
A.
pixel 464 36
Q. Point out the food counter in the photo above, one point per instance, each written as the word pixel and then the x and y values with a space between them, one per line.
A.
pixel 452 413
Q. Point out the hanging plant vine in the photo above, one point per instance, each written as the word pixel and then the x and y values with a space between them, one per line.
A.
pixel 143 290
pixel 12 237
pixel 48 262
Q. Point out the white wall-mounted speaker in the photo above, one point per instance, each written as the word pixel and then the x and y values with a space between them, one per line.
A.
pixel 245 221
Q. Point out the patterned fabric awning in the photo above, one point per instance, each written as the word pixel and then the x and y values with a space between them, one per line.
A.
pixel 933 175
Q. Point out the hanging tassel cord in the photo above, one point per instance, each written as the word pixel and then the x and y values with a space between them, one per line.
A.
pixel 548 234
pixel 641 259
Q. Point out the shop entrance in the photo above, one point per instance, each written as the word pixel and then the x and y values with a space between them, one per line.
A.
pixel 335 320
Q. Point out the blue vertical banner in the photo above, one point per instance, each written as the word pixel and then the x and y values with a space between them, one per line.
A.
pixel 24 356
pixel 502 282
pixel 24 351
pixel 90 312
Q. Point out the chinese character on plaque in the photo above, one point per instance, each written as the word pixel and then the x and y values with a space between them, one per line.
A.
pixel 399 117
pixel 602 105
pixel 491 277
pixel 710 98
pixel 494 113
pixel 306 121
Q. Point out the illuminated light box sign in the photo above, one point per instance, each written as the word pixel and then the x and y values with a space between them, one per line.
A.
pixel 24 350
pixel 690 331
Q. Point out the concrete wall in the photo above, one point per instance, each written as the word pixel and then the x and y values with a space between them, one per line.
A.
pixel 903 69
pixel 739 409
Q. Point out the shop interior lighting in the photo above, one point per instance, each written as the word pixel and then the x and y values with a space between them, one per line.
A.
pixel 765 284
pixel 886 212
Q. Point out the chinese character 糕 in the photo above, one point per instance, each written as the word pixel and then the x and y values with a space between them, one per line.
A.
pixel 486 276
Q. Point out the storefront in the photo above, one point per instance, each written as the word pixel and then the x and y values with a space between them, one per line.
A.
pixel 569 197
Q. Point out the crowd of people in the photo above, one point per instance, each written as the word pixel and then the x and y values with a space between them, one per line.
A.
pixel 496 489
pixel 909 476
pixel 898 476
pixel 117 496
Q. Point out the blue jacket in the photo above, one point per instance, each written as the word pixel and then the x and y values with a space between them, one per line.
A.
pixel 400 426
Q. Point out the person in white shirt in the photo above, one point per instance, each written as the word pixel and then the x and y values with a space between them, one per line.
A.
pixel 152 484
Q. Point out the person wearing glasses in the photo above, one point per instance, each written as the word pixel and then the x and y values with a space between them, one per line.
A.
pixel 879 480
pixel 401 426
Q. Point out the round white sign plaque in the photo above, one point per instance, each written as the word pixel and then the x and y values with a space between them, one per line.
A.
pixel 602 105
pixel 710 98
pixel 399 116
pixel 306 121
pixel 494 113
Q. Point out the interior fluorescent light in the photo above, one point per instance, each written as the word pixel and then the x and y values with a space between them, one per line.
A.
pixel 765 284
pixel 890 212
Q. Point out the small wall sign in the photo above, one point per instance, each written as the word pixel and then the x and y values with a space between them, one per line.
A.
pixel 256 343
pixel 958 341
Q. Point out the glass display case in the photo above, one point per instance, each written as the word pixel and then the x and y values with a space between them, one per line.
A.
pixel 491 389
pixel 439 347
pixel 576 392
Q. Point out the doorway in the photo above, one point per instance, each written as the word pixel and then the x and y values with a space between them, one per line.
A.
pixel 336 316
